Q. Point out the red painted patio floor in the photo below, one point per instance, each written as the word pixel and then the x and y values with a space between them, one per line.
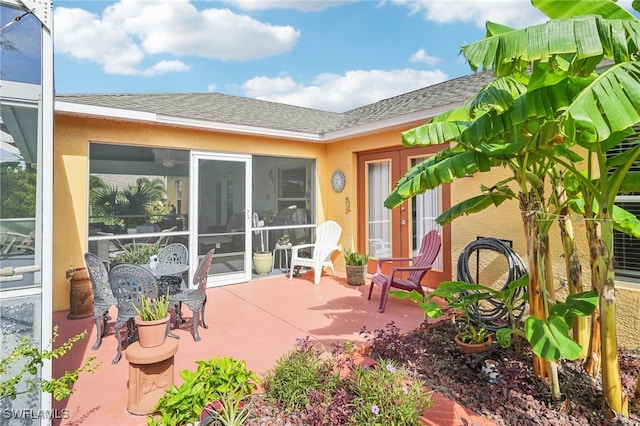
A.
pixel 257 321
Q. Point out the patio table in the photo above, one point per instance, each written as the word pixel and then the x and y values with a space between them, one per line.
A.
pixel 168 270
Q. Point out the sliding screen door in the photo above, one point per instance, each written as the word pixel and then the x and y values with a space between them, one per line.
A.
pixel 221 184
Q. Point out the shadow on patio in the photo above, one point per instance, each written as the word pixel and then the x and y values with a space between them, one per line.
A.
pixel 257 321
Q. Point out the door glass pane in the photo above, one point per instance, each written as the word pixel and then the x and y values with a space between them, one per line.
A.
pixel 221 214
pixel 21 316
pixel 425 208
pixel 378 216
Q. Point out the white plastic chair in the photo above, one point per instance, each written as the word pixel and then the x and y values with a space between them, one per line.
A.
pixel 327 238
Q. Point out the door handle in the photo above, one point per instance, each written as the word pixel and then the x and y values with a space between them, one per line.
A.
pixel 403 222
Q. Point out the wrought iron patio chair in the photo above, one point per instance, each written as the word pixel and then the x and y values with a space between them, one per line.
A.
pixel 128 284
pixel 420 265
pixel 327 238
pixel 172 253
pixel 103 298
pixel 195 298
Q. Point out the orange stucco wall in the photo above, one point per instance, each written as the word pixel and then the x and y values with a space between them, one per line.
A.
pixel 71 140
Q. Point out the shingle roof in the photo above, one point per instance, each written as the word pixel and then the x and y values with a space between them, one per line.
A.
pixel 235 110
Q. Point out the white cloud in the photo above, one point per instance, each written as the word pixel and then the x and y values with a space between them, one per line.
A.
pixel 302 5
pixel 333 92
pixel 164 67
pixel 514 13
pixel 422 56
pixel 130 32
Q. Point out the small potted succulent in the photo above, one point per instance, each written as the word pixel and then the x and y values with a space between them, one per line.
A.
pixel 356 265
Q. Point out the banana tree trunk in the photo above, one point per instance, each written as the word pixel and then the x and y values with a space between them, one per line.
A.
pixel 592 363
pixel 615 399
pixel 573 269
pixel 528 204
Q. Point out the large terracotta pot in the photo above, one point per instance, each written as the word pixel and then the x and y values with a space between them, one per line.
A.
pixel 262 262
pixel 80 295
pixel 152 333
pixel 356 275
pixel 470 348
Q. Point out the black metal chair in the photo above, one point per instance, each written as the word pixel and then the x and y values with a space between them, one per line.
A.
pixel 129 283
pixel 196 297
pixel 103 297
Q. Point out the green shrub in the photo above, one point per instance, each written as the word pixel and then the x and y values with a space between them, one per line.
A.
pixel 387 396
pixel 311 383
pixel 215 379
pixel 297 373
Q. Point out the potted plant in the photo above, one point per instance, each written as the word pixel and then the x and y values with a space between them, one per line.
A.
pixel 461 298
pixel 262 259
pixel 262 262
pixel 473 339
pixel 218 381
pixel 136 253
pixel 356 265
pixel 152 320
pixel 284 241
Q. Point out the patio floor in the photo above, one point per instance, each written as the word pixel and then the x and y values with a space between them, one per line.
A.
pixel 257 321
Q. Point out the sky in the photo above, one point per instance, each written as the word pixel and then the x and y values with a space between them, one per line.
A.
pixel 329 55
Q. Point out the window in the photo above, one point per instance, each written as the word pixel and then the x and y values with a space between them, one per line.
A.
pixel 626 248
pixel 283 197
pixel 292 188
pixel 135 194
pixel 379 221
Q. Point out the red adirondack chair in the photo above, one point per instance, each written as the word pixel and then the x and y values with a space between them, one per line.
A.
pixel 420 265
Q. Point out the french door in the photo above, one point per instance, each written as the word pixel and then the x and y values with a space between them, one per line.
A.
pixel 398 232
pixel 221 196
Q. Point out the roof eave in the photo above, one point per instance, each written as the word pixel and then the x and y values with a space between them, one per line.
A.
pixel 70 108
pixel 389 123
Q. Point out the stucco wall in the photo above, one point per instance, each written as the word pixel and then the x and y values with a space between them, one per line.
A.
pixel 505 222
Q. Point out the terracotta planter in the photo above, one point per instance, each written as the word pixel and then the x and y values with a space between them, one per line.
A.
pixel 152 333
pixel 356 275
pixel 262 262
pixel 470 348
pixel 81 294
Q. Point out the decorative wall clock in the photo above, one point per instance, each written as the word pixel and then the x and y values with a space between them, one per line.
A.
pixel 337 181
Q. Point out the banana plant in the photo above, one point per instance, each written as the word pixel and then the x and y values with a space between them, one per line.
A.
pixel 567 102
